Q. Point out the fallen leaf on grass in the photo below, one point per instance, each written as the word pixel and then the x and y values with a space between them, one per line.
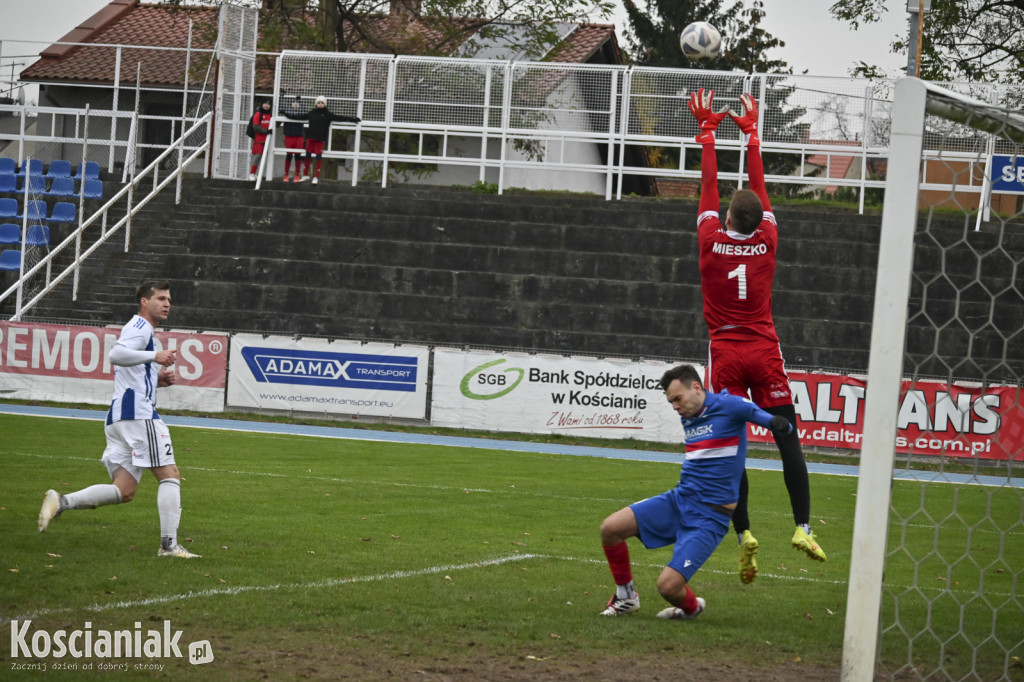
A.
pixel 531 657
pixel 13 570
pixel 366 539
pixel 521 544
pixel 55 556
pixel 554 636
pixel 447 577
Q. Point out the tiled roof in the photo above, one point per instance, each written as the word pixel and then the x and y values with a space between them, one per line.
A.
pixel 580 45
pixel 123 23
pixel 127 22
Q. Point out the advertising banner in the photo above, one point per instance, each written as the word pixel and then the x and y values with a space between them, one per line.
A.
pixel 1007 173
pixel 525 393
pixel 70 364
pixel 337 377
pixel 935 418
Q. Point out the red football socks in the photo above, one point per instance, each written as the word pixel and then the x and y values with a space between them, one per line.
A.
pixel 618 561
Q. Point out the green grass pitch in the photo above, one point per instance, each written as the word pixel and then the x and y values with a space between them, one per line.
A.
pixel 359 555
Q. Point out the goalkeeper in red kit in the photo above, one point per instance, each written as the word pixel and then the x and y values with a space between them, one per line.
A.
pixel 737 267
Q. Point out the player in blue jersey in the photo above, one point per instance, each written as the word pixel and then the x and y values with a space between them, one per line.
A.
pixel 694 516
pixel 137 438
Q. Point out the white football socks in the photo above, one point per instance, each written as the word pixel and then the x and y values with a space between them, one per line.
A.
pixel 625 591
pixel 168 503
pixel 98 495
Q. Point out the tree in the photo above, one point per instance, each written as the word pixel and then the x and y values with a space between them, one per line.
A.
pixel 964 40
pixel 654 41
pixel 422 27
pixel 654 34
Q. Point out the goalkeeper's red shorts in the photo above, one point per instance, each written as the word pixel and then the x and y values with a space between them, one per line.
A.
pixel 752 368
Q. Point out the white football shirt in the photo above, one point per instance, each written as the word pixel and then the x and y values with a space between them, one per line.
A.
pixel 135 385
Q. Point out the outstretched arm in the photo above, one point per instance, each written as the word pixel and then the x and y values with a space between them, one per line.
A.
pixel 747 122
pixel 708 120
pixel 345 119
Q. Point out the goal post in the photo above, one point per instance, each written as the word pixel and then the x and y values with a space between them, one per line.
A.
pixel 885 370
pixel 932 591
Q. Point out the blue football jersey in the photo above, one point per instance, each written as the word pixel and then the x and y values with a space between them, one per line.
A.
pixel 716 447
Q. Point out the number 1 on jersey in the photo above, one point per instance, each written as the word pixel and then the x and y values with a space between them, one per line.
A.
pixel 740 274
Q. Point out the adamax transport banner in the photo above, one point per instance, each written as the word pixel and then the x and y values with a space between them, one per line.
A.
pixel 336 377
pixel 525 393
pixel 71 364
pixel 935 418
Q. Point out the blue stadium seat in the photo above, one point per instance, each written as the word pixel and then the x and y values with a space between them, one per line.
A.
pixel 93 189
pixel 8 208
pixel 31 167
pixel 59 169
pixel 36 184
pixel 92 171
pixel 8 165
pixel 36 210
pixel 10 233
pixel 38 235
pixel 10 260
pixel 63 212
pixel 8 182
pixel 61 187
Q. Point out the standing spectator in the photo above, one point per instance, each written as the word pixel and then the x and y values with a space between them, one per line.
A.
pixel 320 118
pixel 294 133
pixel 137 438
pixel 693 516
pixel 737 269
pixel 261 127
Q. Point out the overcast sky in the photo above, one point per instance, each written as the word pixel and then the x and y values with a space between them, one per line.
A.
pixel 814 41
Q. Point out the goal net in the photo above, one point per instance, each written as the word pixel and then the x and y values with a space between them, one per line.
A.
pixel 938 546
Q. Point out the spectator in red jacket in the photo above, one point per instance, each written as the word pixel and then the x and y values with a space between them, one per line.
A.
pixel 261 125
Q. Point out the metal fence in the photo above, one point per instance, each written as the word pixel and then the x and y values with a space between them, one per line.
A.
pixel 538 125
pixel 445 120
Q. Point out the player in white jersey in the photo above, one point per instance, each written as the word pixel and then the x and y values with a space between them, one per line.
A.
pixel 137 438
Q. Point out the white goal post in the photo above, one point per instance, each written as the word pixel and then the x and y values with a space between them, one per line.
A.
pixel 925 119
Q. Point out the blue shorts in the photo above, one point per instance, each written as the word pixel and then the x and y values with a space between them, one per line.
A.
pixel 694 528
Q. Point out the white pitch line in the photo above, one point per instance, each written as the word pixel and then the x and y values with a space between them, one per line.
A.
pixel 393 575
pixel 230 591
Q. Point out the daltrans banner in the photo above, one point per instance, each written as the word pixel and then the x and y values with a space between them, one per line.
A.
pixel 935 418
pixel 526 393
pixel 335 377
pixel 70 364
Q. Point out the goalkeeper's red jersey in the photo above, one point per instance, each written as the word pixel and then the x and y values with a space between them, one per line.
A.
pixel 736 273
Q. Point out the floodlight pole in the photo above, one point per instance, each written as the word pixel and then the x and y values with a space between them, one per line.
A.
pixel 916 8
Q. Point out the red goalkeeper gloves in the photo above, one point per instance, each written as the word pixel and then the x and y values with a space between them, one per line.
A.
pixel 708 120
pixel 748 121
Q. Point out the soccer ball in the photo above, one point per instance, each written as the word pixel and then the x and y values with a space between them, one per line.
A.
pixel 700 40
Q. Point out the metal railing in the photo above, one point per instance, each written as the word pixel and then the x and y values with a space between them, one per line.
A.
pixel 462 120
pixel 126 198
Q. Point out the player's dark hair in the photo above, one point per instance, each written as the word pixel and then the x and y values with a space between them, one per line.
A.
pixel 685 373
pixel 746 211
pixel 146 289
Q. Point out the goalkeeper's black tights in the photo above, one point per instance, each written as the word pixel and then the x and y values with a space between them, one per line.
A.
pixel 794 472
